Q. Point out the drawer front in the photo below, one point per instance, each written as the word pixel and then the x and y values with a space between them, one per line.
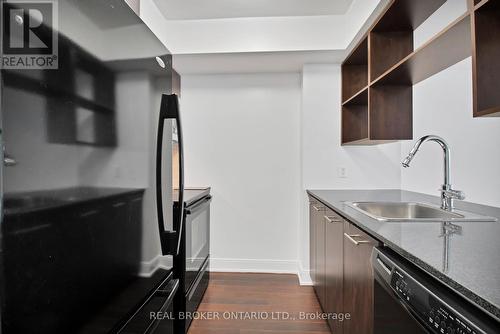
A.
pixel 334 268
pixel 358 279
pixel 157 314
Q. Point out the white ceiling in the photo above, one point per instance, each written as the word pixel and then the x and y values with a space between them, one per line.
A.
pixel 253 62
pixel 260 44
pixel 219 9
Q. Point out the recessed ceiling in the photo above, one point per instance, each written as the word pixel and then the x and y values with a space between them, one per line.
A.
pixel 253 62
pixel 220 9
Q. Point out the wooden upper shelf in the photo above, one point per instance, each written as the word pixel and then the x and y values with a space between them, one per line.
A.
pixel 355 71
pixel 389 41
pixel 486 58
pixel 377 99
pixel 403 15
pixel 447 48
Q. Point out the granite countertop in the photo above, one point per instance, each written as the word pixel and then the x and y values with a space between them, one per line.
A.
pixel 24 202
pixel 472 268
pixel 192 195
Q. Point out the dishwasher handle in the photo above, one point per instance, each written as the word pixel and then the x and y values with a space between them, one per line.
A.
pixel 382 265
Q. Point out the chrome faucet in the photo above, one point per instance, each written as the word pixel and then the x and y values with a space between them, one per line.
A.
pixel 447 193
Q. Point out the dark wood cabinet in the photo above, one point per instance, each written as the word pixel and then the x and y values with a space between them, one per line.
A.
pixel 358 280
pixel 321 259
pixel 378 75
pixel 317 250
pixel 341 270
pixel 312 242
pixel 334 268
pixel 485 55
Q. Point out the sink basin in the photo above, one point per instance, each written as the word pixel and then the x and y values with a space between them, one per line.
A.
pixel 410 211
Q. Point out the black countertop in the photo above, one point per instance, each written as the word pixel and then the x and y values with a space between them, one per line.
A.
pixel 192 195
pixel 472 268
pixel 24 202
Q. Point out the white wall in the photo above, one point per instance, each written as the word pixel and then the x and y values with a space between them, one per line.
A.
pixel 322 155
pixel 261 140
pixel 242 138
pixel 442 105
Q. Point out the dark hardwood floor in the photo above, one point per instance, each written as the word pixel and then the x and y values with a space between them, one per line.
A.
pixel 267 294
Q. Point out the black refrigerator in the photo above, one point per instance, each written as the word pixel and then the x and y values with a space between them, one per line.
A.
pixel 92 154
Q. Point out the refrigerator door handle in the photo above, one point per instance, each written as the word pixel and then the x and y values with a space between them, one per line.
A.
pixel 8 160
pixel 170 240
pixel 198 206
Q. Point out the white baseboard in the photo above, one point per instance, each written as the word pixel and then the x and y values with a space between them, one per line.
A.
pixel 148 268
pixel 304 277
pixel 253 266
pixel 261 266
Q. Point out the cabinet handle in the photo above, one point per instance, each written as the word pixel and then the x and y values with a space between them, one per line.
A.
pixel 333 219
pixel 89 213
pixel 356 242
pixel 318 208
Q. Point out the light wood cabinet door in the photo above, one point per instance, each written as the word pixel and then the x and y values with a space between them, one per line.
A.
pixel 358 280
pixel 334 268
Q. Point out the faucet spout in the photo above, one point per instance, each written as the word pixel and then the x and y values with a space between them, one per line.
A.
pixel 446 154
pixel 447 193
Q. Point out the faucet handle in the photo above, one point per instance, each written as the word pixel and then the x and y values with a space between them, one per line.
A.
pixel 455 194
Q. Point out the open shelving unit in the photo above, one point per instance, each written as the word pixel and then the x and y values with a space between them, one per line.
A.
pixel 486 57
pixel 355 72
pixel 378 75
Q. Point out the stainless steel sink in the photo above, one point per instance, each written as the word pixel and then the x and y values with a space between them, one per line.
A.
pixel 411 211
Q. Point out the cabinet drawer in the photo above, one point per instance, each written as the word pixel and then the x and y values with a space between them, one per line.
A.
pixel 354 234
pixel 334 268
pixel 317 249
pixel 332 217
pixel 358 279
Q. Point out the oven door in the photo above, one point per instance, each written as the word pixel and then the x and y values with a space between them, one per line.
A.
pixel 197 238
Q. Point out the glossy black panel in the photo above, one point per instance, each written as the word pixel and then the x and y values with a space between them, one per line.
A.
pixel 78 206
pixel 390 316
pixel 195 294
pixel 197 245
